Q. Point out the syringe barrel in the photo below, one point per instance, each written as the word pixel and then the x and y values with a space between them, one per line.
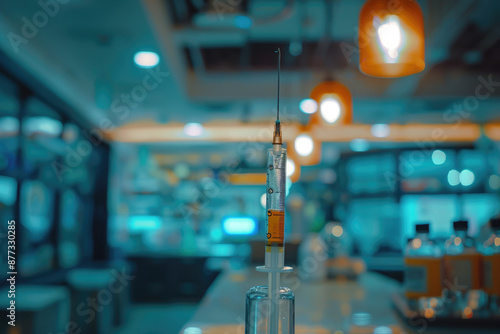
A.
pixel 275 197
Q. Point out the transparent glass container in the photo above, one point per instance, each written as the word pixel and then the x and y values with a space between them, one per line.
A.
pixel 462 273
pixel 422 275
pixel 257 311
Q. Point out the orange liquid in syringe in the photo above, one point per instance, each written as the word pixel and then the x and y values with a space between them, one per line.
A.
pixel 275 227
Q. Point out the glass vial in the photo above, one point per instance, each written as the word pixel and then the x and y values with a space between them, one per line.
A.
pixel 257 312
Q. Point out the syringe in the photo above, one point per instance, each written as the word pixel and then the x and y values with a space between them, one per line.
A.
pixel 275 224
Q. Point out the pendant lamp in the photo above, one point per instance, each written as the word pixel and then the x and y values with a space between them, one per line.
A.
pixel 305 150
pixel 334 104
pixel 391 38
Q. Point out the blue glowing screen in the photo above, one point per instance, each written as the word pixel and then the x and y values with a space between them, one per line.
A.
pixel 239 225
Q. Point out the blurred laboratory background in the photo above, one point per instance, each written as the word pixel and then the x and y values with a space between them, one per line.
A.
pixel 134 138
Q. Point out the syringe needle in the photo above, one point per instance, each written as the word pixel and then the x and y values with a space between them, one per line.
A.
pixel 278 99
pixel 277 138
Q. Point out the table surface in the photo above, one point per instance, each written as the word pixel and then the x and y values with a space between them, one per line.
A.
pixel 332 306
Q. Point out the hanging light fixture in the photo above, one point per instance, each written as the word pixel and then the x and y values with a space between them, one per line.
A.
pixel 334 104
pixel 304 145
pixel 391 38
pixel 333 100
pixel 305 150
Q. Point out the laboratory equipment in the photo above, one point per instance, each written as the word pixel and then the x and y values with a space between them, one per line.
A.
pixel 341 263
pixel 491 266
pixel 423 272
pixel 462 273
pixel 271 318
pixel 312 257
pixel 338 241
pixel 257 306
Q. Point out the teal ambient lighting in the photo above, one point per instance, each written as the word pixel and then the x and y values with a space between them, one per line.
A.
pixel 454 177
pixel 494 182
pixel 380 130
pixel 143 223
pixel 193 129
pixel 8 190
pixel 239 225
pixel 42 125
pixel 438 157
pixel 9 124
pixel 242 22
pixel 466 178
pixel 359 145
pixel 308 106
pixel 192 330
pixel 146 59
